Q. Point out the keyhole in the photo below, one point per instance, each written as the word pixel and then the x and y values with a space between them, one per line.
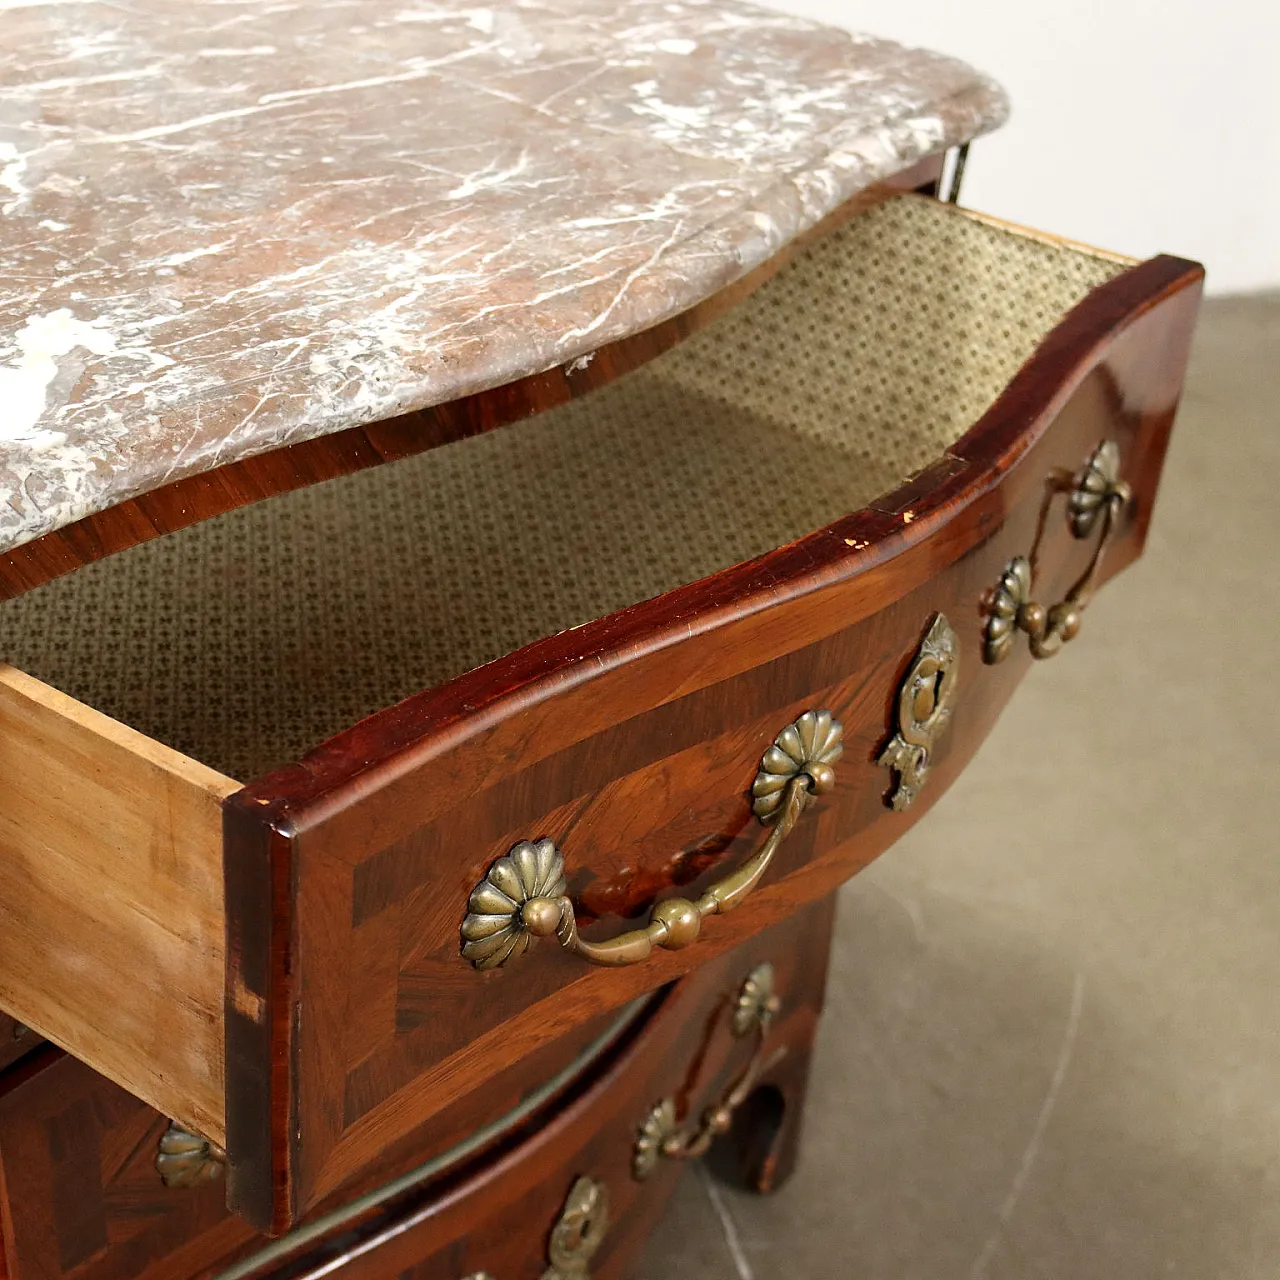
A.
pixel 579 1232
pixel 928 691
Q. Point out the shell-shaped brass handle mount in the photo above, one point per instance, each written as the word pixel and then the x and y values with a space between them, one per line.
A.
pixel 522 896
pixel 1095 494
pixel 661 1135
pixel 185 1159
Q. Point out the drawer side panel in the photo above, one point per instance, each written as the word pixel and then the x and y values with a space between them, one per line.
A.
pixel 111 899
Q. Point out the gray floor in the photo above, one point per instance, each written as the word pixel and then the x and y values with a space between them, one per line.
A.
pixel 1052 1038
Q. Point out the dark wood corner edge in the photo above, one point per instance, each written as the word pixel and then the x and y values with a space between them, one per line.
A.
pixel 260 1008
pixel 238 484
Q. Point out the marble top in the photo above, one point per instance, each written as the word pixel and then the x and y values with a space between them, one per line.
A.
pixel 228 225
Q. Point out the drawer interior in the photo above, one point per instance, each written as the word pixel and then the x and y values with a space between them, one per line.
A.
pixel 246 640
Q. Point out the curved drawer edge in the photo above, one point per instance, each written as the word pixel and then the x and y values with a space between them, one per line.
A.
pixel 72 1207
pixel 870 545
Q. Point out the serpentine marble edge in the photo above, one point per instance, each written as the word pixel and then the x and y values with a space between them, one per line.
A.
pixel 229 225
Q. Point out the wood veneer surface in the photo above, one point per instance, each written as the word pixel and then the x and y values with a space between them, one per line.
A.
pixel 631 742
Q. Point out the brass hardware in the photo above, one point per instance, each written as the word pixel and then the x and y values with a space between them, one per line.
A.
pixel 522 896
pixel 949 184
pixel 326 1225
pixel 579 1231
pixel 925 699
pixel 185 1159
pixel 1095 492
pixel 658 1128
pixel 756 1004
pixel 661 1134
pixel 511 896
pixel 804 750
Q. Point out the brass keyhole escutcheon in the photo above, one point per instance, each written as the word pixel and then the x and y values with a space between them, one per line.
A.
pixel 924 704
pixel 579 1231
pixel 926 699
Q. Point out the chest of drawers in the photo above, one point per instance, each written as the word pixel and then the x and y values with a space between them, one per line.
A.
pixel 738 477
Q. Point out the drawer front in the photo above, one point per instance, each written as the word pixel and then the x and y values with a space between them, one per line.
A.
pixel 632 743
pixel 100 1186
pixel 83 1195
pixel 85 1199
pixel 581 1195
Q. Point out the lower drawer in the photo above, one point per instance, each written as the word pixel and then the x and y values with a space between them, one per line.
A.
pixel 580 1195
pixel 598 622
pixel 82 1193
pixel 97 1186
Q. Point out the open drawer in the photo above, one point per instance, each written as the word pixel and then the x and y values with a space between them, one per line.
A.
pixel 586 629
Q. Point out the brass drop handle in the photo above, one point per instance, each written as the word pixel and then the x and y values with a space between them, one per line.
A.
pixel 522 896
pixel 675 922
pixel 1096 493
pixel 661 1136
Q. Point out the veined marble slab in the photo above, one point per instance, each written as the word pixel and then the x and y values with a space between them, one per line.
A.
pixel 228 225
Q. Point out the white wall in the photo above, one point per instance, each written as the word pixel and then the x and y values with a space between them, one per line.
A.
pixel 1139 126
